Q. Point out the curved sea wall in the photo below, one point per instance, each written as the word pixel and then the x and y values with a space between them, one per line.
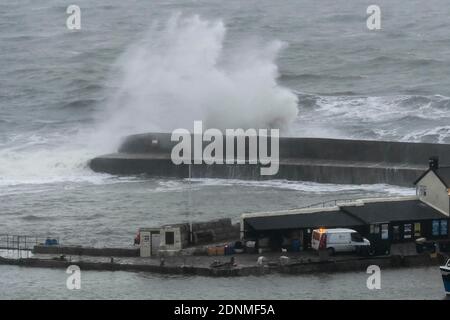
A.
pixel 307 159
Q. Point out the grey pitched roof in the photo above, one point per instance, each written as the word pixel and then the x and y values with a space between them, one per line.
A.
pixel 326 219
pixel 443 173
pixel 386 211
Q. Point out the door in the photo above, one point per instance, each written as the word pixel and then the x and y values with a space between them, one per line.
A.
pixel 145 246
pixel 341 242
pixel 349 245
pixel 396 233
pixel 379 238
pixel 357 240
pixel 155 243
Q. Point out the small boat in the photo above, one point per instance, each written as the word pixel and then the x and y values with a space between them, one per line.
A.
pixel 445 271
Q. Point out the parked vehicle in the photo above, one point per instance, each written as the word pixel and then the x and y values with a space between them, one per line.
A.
pixel 422 245
pixel 445 271
pixel 340 240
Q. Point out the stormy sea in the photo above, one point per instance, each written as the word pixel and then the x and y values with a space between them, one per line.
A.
pixel 309 68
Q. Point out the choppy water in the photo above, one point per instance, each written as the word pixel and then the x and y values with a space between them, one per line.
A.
pixel 417 283
pixel 310 67
pixel 110 212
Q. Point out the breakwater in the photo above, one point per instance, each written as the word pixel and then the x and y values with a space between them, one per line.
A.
pixel 305 159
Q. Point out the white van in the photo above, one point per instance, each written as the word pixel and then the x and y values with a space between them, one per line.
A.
pixel 340 240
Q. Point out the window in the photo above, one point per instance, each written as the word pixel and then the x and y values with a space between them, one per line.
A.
pixel 417 228
pixel 170 238
pixel 444 228
pixel 422 191
pixel 439 228
pixel 407 231
pixel 374 228
pixel 356 237
pixel 435 228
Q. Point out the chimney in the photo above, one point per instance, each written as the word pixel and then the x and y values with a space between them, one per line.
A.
pixel 434 163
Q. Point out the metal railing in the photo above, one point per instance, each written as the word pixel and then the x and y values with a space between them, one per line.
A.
pixel 21 242
pixel 328 203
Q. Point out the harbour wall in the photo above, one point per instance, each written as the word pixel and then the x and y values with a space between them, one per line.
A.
pixel 356 264
pixel 86 251
pixel 313 148
pixel 307 159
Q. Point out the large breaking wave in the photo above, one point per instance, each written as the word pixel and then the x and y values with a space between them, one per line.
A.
pixel 182 71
